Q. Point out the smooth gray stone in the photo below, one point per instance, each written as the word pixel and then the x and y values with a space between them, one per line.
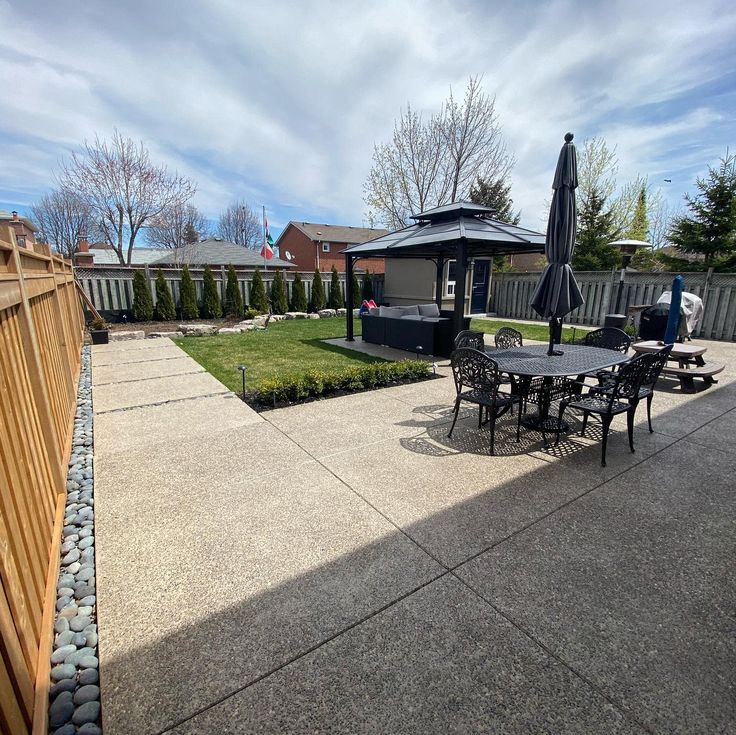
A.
pixel 85 532
pixel 61 653
pixel 88 601
pixel 63 671
pixel 65 685
pixel 89 662
pixel 73 496
pixel 61 625
pixel 76 657
pixel 89 728
pixel 68 612
pixel 71 557
pixel 85 611
pixel 91 639
pixel 61 710
pixel 62 602
pixel 67 546
pixel 89 676
pixel 85 575
pixel 65 580
pixel 87 693
pixel 84 591
pixel 79 639
pixel 67 729
pixel 69 530
pixel 87 712
pixel 79 623
pixel 65 591
pixel 74 568
pixel 86 542
pixel 88 553
pixel 91 628
pixel 64 638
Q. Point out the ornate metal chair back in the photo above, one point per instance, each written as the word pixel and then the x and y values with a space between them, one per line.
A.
pixel 475 370
pixel 608 338
pixel 630 377
pixel 655 363
pixel 467 338
pixel 506 338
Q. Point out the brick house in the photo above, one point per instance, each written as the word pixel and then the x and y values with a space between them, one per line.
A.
pixel 311 246
pixel 25 230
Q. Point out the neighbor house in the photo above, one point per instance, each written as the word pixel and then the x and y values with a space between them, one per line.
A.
pixel 25 230
pixel 310 246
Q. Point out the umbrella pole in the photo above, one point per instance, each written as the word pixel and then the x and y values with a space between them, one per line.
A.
pixel 554 326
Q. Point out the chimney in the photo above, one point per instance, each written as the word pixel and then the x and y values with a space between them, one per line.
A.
pixel 83 258
pixel 15 215
pixel 83 245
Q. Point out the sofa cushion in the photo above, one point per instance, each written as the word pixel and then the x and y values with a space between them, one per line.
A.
pixel 413 317
pixel 392 312
pixel 434 319
pixel 429 309
pixel 409 310
pixel 374 311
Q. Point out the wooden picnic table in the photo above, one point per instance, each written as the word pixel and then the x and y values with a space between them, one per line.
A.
pixel 690 363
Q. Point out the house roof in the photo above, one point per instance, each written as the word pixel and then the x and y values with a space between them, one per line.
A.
pixel 216 252
pixel 8 217
pixel 105 255
pixel 335 233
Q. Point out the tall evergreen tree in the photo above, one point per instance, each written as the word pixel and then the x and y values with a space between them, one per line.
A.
pixel 165 309
pixel 211 308
pixel 367 289
pixel 639 227
pixel 318 292
pixel 593 251
pixel 336 298
pixel 188 295
pixel 142 301
pixel 279 302
pixel 494 194
pixel 356 291
pixel 233 296
pixel 710 228
pixel 298 295
pixel 258 299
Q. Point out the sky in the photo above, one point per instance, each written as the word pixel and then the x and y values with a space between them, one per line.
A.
pixel 281 103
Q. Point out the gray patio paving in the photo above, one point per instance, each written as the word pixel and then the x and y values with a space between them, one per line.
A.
pixel 343 566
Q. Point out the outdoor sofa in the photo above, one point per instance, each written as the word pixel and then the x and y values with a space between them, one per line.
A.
pixel 409 327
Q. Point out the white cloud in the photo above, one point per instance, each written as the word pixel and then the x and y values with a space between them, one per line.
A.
pixel 281 103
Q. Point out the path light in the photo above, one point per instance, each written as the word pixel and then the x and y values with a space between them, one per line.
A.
pixel 419 350
pixel 434 368
pixel 243 369
pixel 628 249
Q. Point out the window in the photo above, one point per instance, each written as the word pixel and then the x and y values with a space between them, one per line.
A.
pixel 21 240
pixel 325 247
pixel 450 279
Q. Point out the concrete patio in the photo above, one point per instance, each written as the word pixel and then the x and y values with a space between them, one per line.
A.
pixel 343 566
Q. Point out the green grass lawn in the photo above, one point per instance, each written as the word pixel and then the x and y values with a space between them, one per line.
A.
pixel 529 331
pixel 285 348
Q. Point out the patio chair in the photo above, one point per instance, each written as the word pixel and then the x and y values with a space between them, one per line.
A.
pixel 607 338
pixel 656 362
pixel 477 381
pixel 473 340
pixel 506 338
pixel 621 396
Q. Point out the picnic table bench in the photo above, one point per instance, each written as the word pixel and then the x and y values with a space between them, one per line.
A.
pixel 690 363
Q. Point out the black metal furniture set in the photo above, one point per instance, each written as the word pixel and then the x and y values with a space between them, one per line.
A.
pixel 541 379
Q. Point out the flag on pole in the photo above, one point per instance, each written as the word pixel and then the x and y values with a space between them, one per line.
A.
pixel 267 249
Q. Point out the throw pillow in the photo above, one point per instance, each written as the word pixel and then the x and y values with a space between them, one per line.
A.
pixel 429 310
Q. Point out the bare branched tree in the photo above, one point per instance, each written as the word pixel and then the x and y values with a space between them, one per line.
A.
pixel 63 218
pixel 176 227
pixel 432 162
pixel 240 224
pixel 123 188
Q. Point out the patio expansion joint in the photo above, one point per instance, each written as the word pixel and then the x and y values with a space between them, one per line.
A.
pixel 149 377
pixel 163 403
pixel 139 362
pixel 302 654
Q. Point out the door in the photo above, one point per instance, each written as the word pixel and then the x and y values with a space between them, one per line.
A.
pixel 479 291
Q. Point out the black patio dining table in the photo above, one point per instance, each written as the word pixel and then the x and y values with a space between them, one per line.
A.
pixel 534 362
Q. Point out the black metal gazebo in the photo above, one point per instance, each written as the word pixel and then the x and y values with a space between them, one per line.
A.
pixel 458 231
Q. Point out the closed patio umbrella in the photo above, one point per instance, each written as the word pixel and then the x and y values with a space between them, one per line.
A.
pixel 673 319
pixel 557 292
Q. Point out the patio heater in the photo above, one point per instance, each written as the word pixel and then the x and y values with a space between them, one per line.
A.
pixel 628 249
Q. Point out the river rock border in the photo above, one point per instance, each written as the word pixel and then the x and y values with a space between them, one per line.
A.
pixel 74 697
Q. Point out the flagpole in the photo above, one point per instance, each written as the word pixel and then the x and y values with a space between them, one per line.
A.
pixel 265 266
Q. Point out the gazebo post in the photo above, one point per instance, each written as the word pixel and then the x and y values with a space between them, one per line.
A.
pixel 461 265
pixel 440 263
pixel 349 297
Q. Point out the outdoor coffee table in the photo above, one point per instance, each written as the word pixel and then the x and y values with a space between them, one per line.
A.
pixel 534 362
pixel 690 363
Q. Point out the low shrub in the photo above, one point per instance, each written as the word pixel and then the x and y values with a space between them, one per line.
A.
pixel 142 299
pixel 252 313
pixel 317 383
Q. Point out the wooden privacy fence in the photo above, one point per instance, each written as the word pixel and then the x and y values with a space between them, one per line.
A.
pixel 111 288
pixel 41 331
pixel 511 293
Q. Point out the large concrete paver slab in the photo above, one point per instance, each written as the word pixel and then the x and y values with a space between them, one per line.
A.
pixel 113 396
pixel 131 345
pixel 162 352
pixel 161 478
pixel 235 580
pixel 123 372
pixel 439 661
pixel 351 421
pixel 719 433
pixel 633 586
pixel 170 425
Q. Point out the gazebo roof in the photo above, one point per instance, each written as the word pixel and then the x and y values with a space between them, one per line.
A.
pixel 438 231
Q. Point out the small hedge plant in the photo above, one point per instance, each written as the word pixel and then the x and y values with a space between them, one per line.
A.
pixel 316 383
pixel 188 295
pixel 142 300
pixel 165 309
